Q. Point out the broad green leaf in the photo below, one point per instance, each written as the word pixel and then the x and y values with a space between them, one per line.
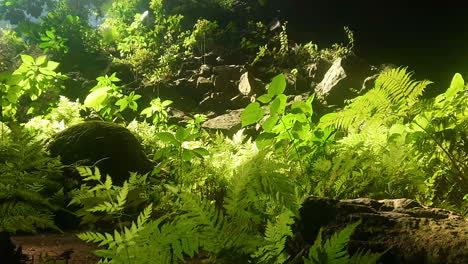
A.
pixel 457 85
pixel 123 103
pixel 265 98
pixel 27 59
pixel 4 76
pixel 264 140
pixel 201 151
pixel 14 79
pixel 277 85
pixel 252 114
pixel 50 34
pixel 420 122
pixel 270 122
pixel 182 134
pixel 133 105
pixel 96 98
pixel 147 112
pixel 13 94
pixel 52 65
pixel 327 120
pixel 188 155
pixel 303 106
pixel 278 104
pixel 167 137
pixel 166 103
pixel 41 60
pixel 47 71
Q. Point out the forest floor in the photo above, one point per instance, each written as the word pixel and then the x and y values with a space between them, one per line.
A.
pixel 54 248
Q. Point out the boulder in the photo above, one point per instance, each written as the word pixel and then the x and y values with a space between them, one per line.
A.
pixel 110 147
pixel 413 233
pixel 228 123
pixel 342 81
pixel 249 85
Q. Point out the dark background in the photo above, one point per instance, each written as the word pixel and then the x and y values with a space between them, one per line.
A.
pixel 429 38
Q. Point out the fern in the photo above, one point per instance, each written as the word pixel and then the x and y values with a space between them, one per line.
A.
pixel 97 197
pixel 334 251
pixel 119 240
pixel 28 177
pixel 275 235
pixel 393 94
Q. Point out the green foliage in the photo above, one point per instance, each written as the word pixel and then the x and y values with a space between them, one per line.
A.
pixel 98 197
pixel 438 136
pixel 202 38
pixel 334 249
pixel 27 184
pixel 52 42
pixel 340 50
pixel 390 100
pixel 35 78
pixel 288 126
pixel 10 46
pixel 181 148
pixel 254 223
pixel 158 111
pixel 108 99
pixel 63 115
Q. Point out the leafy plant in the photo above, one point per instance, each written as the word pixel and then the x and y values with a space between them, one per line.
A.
pixel 158 111
pixel 27 184
pixel 106 96
pixel 34 78
pixel 291 132
pixel 393 95
pixel 98 195
pixel 179 148
pixel 439 137
pixel 51 41
pixel 333 250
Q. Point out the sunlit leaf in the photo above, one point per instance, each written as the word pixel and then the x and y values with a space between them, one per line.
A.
pixel 50 34
pixel 278 104
pixel 270 122
pixel 182 134
pixel 302 106
pixel 96 98
pixel 27 59
pixel 457 85
pixel 265 98
pixel 41 60
pixel 167 137
pixel 52 65
pixel 277 85
pixel 264 140
pixel 252 114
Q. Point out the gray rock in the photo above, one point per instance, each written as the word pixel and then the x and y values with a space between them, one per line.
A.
pixel 227 123
pixel 342 81
pixel 249 85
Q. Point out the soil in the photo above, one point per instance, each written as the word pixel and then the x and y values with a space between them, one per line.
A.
pixel 55 248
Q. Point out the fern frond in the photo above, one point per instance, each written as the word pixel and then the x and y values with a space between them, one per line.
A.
pixel 334 249
pixel 335 246
pixel 275 237
pixel 366 256
pixel 398 85
pixel 394 93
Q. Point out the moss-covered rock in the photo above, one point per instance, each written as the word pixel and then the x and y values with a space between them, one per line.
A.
pixel 110 147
